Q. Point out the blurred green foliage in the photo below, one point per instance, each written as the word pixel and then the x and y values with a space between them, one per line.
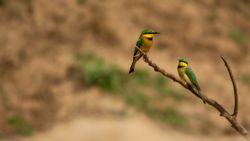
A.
pixel 2 2
pixel 171 92
pixel 213 16
pixel 169 115
pixel 97 73
pixel 238 36
pixel 141 77
pixel 245 78
pixel 19 125
pixel 139 89
pixel 138 100
pixel 80 2
pixel 166 91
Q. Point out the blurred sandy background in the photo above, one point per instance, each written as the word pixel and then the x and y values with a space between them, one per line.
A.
pixel 64 64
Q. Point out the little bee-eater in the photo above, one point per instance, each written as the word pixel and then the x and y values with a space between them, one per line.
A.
pixel 144 42
pixel 186 74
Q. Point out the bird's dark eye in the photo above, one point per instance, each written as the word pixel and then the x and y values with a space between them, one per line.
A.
pixel 180 66
pixel 150 39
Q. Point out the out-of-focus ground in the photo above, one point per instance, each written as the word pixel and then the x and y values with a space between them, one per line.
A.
pixel 128 129
pixel 42 97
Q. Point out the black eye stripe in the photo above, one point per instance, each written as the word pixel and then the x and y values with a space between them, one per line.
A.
pixel 184 62
pixel 150 32
pixel 180 66
pixel 150 39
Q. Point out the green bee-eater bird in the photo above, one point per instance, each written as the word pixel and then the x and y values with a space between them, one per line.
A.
pixel 186 74
pixel 144 42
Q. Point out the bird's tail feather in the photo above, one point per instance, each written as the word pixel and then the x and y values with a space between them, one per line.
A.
pixel 132 67
pixel 135 59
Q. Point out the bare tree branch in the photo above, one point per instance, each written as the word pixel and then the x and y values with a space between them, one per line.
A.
pixel 235 113
pixel 223 112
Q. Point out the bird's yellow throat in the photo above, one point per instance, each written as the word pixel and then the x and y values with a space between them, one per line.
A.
pixel 181 69
pixel 147 42
pixel 183 64
pixel 148 36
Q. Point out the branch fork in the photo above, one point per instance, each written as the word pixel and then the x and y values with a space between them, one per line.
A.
pixel 232 118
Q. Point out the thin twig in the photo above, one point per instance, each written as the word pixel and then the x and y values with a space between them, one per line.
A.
pixel 223 112
pixel 235 113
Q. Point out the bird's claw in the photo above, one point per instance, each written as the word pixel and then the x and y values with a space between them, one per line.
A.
pixel 203 99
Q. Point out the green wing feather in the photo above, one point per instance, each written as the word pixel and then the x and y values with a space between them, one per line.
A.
pixel 138 44
pixel 192 78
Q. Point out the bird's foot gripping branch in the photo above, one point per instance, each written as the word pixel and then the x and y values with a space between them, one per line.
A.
pixel 232 118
